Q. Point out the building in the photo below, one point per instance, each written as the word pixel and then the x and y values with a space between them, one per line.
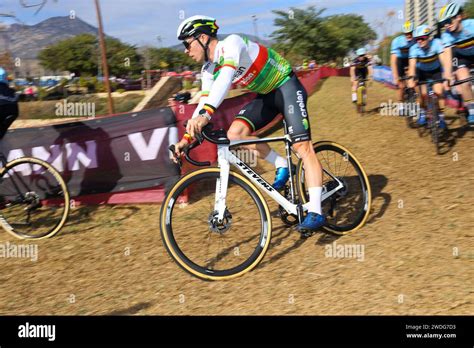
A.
pixel 422 11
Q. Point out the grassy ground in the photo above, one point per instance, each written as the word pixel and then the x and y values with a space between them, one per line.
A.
pixel 418 242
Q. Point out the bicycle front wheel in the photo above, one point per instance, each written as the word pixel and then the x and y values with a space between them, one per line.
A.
pixel 433 119
pixel 34 199
pixel 361 99
pixel 201 244
pixel 347 209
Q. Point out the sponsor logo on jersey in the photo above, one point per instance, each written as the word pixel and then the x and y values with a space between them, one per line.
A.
pixel 305 124
pixel 248 78
pixel 300 101
pixel 239 72
pixel 280 67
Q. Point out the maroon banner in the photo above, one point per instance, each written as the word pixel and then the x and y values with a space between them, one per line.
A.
pixel 103 155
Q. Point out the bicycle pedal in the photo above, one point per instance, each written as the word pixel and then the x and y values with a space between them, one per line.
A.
pixel 306 233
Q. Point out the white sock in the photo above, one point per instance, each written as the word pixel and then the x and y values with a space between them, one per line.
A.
pixel 314 204
pixel 470 107
pixel 354 97
pixel 276 160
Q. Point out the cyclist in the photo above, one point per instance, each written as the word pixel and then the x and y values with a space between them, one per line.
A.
pixel 8 103
pixel 399 57
pixel 459 42
pixel 427 61
pixel 360 67
pixel 259 69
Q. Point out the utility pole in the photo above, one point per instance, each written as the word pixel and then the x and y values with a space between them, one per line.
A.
pixel 255 26
pixel 105 67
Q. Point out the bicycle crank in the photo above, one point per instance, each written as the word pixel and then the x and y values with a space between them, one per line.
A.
pixel 220 226
pixel 287 218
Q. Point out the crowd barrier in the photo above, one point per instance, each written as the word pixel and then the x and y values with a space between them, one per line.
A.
pixel 124 158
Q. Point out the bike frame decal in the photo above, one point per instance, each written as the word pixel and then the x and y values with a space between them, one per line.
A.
pixel 226 157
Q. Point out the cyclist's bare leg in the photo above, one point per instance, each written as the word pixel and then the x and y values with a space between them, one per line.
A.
pixel 239 131
pixel 423 96
pixel 439 89
pixel 401 86
pixel 354 90
pixel 313 169
pixel 465 88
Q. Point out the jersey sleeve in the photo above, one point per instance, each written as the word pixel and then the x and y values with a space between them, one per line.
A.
pixel 438 46
pixel 447 40
pixel 206 84
pixel 227 61
pixel 230 51
pixel 468 24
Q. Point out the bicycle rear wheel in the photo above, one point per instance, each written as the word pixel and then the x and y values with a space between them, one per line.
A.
pixel 205 247
pixel 34 200
pixel 361 99
pixel 434 125
pixel 347 209
pixel 410 115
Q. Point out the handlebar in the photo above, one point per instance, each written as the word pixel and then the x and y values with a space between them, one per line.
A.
pixel 214 136
pixel 460 82
pixel 430 82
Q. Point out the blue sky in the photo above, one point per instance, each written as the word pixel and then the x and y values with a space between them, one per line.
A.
pixel 141 22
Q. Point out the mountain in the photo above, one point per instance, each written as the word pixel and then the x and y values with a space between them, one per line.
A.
pixel 26 41
pixel 264 42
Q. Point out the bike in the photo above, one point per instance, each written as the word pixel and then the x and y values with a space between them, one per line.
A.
pixel 361 92
pixel 34 199
pixel 225 229
pixel 409 102
pixel 432 114
pixel 459 82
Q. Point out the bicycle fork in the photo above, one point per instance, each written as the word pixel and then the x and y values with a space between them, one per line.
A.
pixel 222 182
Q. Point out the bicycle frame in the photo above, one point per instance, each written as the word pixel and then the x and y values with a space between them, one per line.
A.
pixel 226 158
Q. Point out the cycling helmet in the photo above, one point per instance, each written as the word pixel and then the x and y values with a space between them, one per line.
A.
pixel 3 75
pixel 361 52
pixel 195 25
pixel 407 27
pixel 422 30
pixel 449 11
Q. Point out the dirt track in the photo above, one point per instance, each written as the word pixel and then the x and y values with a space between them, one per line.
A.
pixel 419 241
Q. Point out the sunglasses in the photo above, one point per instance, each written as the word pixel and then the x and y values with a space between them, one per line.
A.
pixel 187 44
pixel 423 38
pixel 446 22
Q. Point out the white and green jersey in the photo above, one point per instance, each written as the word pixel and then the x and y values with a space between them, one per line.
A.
pixel 245 63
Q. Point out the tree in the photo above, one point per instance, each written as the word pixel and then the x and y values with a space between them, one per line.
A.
pixel 383 50
pixel 306 33
pixel 301 32
pixel 469 8
pixel 349 32
pixel 80 55
pixel 167 58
